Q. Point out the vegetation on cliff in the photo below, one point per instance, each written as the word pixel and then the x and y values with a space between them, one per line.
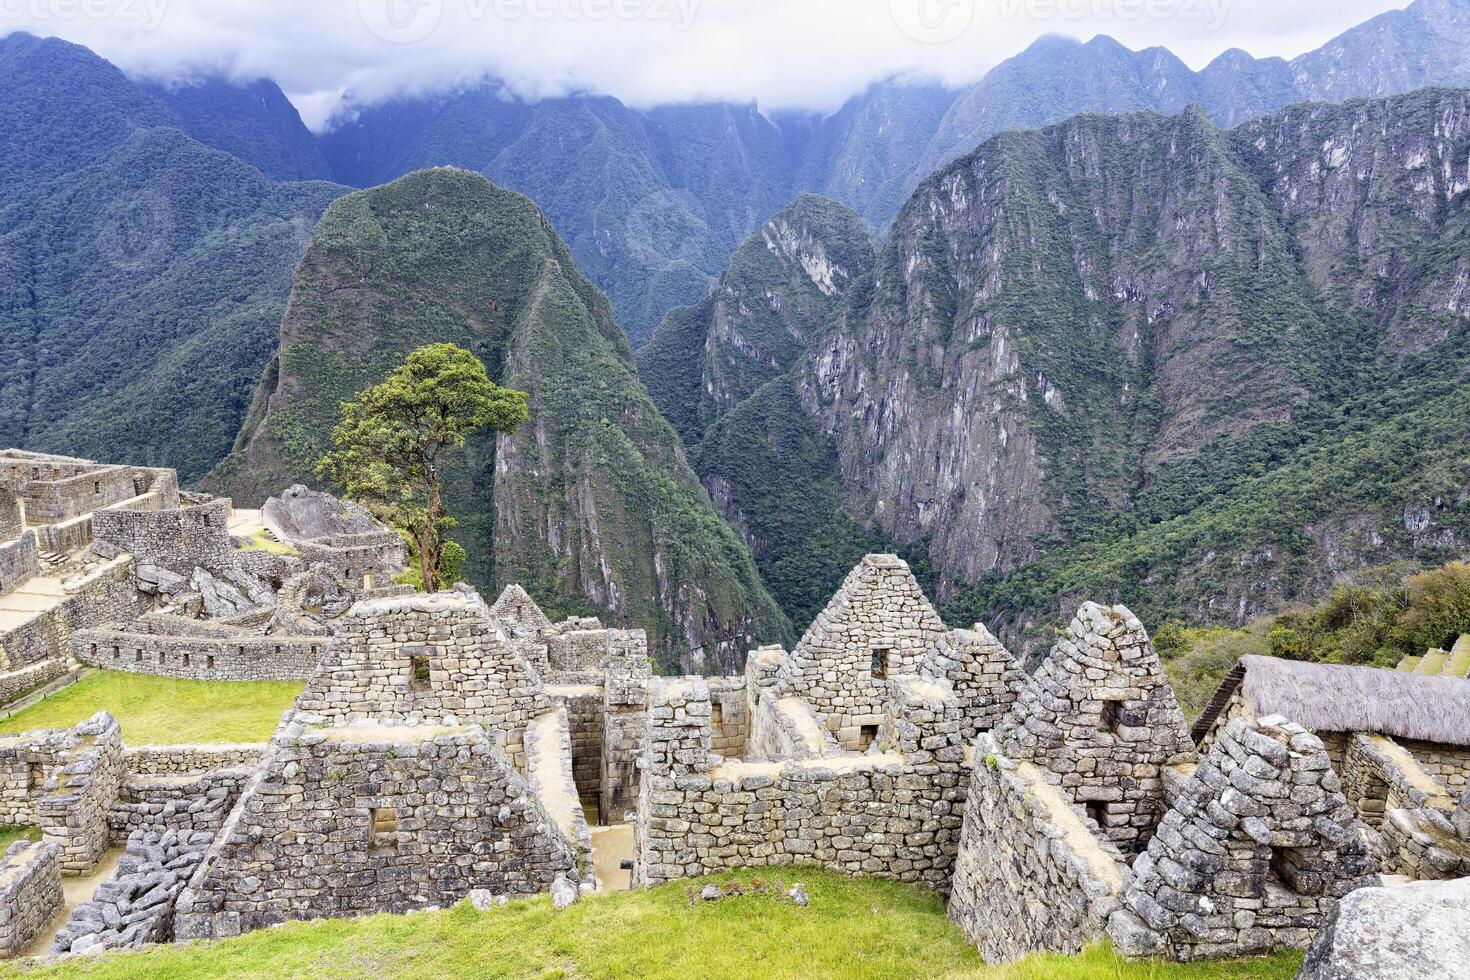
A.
pixel 591 506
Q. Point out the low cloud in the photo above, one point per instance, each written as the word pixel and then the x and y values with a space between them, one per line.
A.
pixel 329 55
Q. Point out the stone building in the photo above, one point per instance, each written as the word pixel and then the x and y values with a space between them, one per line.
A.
pixel 848 752
pixel 1399 740
pixel 1256 847
pixel 424 760
pixel 1102 721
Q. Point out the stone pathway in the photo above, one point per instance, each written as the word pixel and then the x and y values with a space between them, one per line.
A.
pixel 610 847
pixel 33 597
pixel 75 891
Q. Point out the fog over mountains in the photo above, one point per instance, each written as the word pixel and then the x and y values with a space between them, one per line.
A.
pixel 1099 254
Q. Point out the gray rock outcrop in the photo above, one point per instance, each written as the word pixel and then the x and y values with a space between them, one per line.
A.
pixel 303 514
pixel 1402 932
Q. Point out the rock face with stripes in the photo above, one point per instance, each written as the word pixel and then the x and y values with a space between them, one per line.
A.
pixel 1101 719
pixel 1252 855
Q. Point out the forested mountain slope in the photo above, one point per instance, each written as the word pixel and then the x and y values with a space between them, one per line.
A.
pixel 1201 371
pixel 591 505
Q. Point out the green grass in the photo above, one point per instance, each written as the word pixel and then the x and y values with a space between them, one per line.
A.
pixel 9 835
pixel 259 542
pixel 163 711
pixel 853 928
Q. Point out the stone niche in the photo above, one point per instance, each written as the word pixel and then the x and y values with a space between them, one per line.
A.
pixel 368 818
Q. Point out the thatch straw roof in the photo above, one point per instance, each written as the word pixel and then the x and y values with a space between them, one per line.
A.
pixel 1335 698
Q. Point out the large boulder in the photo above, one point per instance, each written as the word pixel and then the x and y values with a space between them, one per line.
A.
pixel 302 514
pixel 1401 932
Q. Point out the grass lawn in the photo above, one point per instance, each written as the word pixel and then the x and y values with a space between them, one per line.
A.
pixel 163 711
pixel 9 835
pixel 853 928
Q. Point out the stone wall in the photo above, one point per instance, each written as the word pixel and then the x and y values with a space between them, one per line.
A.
pixel 1253 853
pixel 105 596
pixel 30 893
pixel 350 820
pixel 986 678
pixel 1450 764
pixel 16 682
pixel 178 760
pixel 888 814
pixel 624 721
pixel 426 660
pixel 587 717
pixel 50 501
pixel 235 658
pixel 878 625
pixel 178 540
pixel 1032 874
pixel 359 561
pixel 1102 720
pixel 18 561
pixel 72 810
pixel 12 514
pixel 156 803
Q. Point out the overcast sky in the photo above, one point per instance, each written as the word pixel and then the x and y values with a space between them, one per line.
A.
pixel 783 54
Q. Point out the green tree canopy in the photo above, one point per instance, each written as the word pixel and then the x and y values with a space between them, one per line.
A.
pixel 392 440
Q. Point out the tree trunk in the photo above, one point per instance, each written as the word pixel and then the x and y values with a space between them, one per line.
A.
pixel 429 557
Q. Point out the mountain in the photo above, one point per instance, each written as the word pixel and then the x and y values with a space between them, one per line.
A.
pixel 720 371
pixel 1204 372
pixel 253 121
pixel 142 274
pixel 1057 78
pixel 651 203
pixel 591 505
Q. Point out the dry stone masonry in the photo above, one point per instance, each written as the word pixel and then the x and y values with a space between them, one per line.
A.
pixel 1254 852
pixel 1102 720
pixel 444 748
pixel 30 893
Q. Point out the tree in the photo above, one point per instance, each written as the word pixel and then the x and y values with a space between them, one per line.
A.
pixel 393 439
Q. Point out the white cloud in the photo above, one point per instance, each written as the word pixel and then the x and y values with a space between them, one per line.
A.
pixel 808 54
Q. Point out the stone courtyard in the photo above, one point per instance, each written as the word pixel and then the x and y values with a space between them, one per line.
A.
pixel 445 747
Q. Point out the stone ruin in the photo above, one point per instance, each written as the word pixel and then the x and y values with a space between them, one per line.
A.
pixel 443 747
pixel 849 751
pixel 1255 849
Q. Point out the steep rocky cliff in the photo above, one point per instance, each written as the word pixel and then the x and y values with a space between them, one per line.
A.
pixel 591 505
pixel 721 371
pixel 1141 357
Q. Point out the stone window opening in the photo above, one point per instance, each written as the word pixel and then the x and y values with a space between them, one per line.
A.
pixel 882 656
pixel 1110 717
pixel 383 828
pixel 160 658
pixel 186 660
pixel 716 715
pixel 1285 870
pixel 209 661
pixel 96 486
pixel 867 735
pixel 418 672
pixel 1097 810
pixel 137 656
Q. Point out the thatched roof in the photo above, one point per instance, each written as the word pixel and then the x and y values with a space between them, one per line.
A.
pixel 1335 698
